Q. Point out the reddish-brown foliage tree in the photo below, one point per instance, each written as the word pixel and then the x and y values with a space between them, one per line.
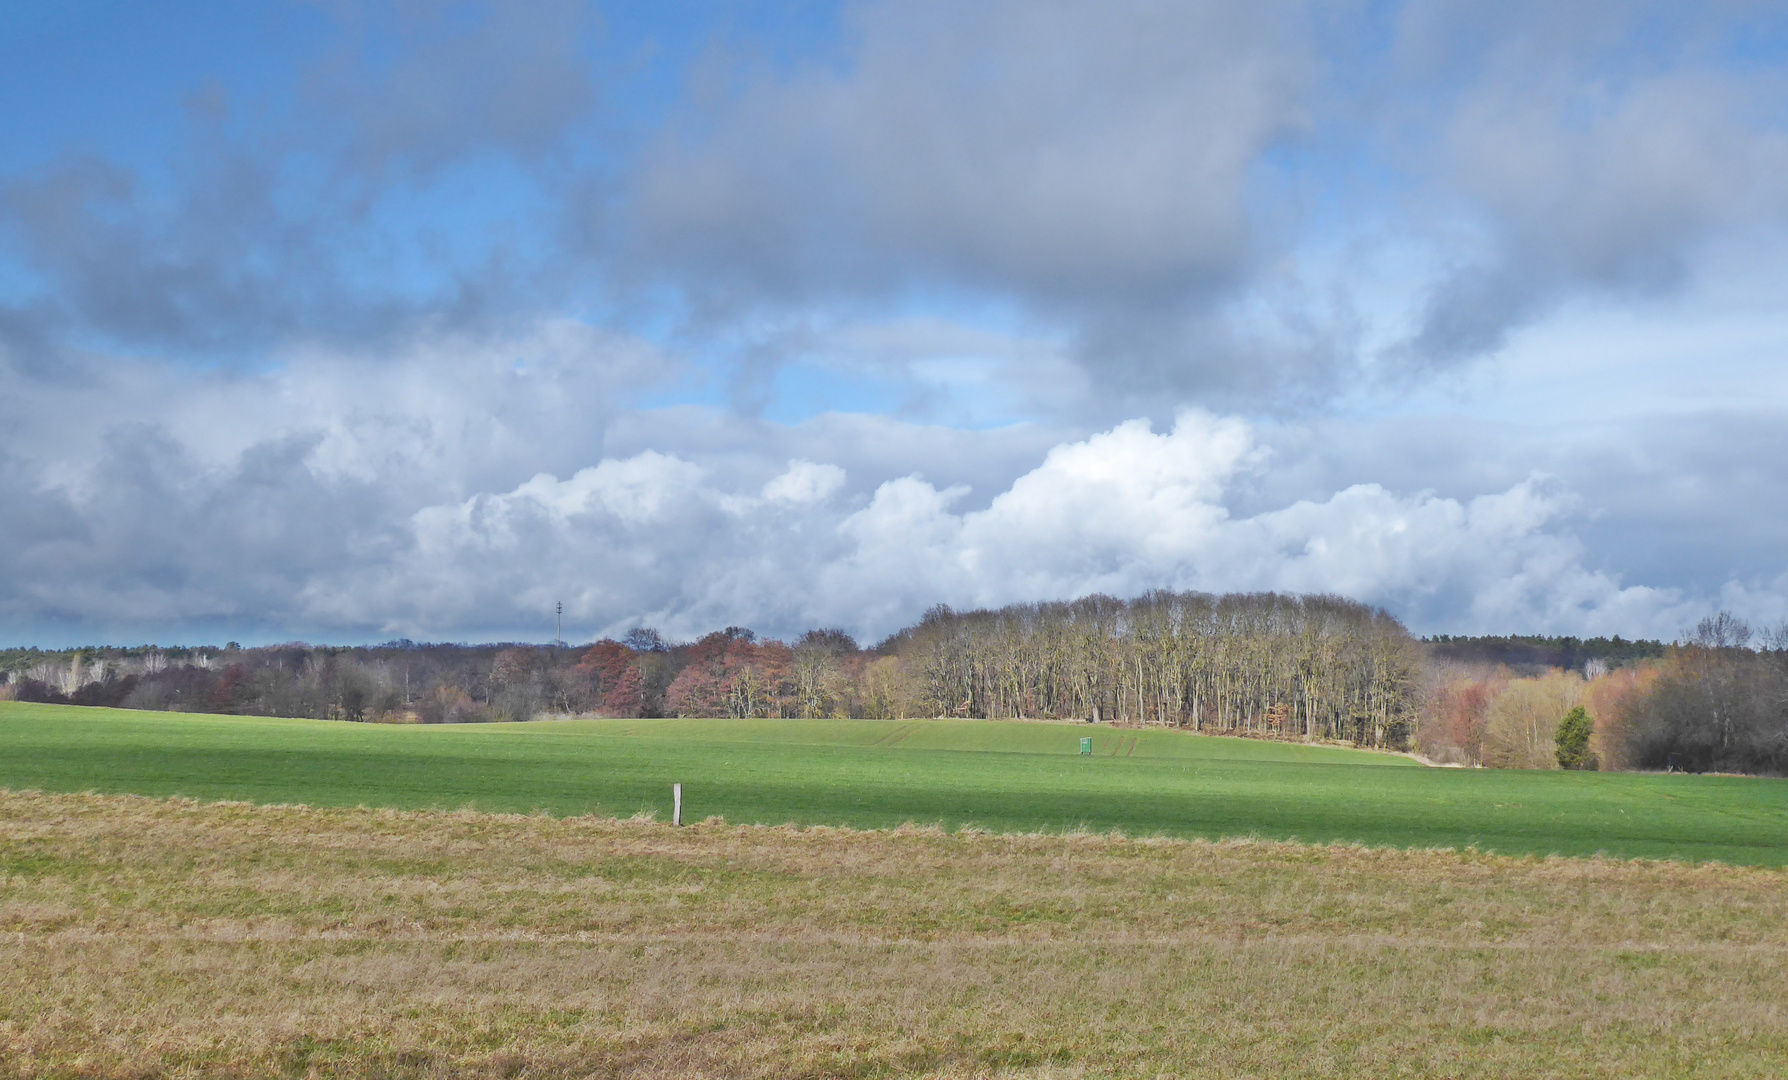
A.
pixel 1461 707
pixel 730 673
pixel 229 688
pixel 610 678
pixel 627 697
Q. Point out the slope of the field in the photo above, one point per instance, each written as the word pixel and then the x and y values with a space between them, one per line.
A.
pixel 1002 776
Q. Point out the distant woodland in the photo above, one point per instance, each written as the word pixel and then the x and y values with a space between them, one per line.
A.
pixel 1263 665
pixel 1715 702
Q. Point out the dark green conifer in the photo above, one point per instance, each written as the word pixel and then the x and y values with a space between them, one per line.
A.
pixel 1573 741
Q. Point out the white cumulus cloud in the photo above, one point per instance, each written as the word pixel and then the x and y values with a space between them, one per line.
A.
pixel 656 538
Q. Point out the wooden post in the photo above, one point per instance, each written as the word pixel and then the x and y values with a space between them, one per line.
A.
pixel 676 804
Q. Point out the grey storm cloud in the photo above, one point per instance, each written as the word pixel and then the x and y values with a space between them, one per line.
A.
pixel 269 232
pixel 1092 163
pixel 1076 153
pixel 1139 176
pixel 1137 179
pixel 187 498
pixel 514 81
pixel 217 267
pixel 1598 148
pixel 151 536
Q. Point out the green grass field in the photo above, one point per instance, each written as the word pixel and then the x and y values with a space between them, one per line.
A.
pixel 1000 776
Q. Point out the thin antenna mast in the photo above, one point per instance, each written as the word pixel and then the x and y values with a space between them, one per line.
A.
pixel 559 627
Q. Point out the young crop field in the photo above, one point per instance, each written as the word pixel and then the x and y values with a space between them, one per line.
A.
pixel 997 776
pixel 165 937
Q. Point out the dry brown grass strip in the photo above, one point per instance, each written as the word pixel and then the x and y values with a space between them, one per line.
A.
pixel 145 937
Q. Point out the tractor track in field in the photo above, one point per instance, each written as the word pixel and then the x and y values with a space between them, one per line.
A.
pixel 894 738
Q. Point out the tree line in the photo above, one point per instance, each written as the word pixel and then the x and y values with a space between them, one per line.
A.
pixel 1263 664
pixel 1266 665
pixel 1714 701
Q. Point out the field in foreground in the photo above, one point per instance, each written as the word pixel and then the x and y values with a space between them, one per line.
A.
pixel 149 937
pixel 1001 776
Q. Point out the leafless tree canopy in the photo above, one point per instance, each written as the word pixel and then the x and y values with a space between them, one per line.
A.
pixel 1262 663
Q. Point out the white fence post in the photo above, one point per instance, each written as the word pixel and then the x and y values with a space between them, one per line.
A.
pixel 676 804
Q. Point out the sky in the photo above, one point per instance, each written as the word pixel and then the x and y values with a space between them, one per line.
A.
pixel 346 321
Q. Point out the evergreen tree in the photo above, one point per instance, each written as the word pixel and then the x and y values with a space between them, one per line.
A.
pixel 1573 741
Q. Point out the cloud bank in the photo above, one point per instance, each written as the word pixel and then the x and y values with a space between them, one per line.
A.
pixel 417 512
pixel 415 318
